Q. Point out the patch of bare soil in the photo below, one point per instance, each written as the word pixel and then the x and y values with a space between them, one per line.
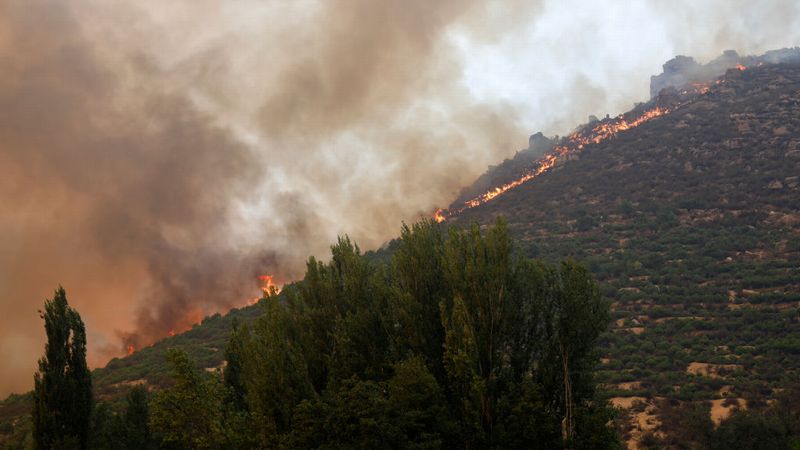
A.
pixel 129 383
pixel 712 370
pixel 722 409
pixel 641 418
pixel 629 386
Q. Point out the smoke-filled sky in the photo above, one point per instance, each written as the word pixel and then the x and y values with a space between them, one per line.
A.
pixel 156 157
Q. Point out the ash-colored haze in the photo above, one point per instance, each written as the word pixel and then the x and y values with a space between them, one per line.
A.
pixel 155 157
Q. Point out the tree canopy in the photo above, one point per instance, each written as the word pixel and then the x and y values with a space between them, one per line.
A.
pixel 62 396
pixel 458 342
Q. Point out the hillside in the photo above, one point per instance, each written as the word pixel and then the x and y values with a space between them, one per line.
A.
pixel 691 222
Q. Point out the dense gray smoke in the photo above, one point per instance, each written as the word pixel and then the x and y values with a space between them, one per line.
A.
pixel 120 197
pixel 156 157
pixel 142 179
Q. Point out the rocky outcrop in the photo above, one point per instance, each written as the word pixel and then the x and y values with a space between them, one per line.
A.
pixel 682 71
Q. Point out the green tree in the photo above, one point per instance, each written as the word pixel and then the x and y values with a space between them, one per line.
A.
pixel 233 373
pixel 690 421
pixel 408 411
pixel 479 273
pixel 750 431
pixel 126 431
pixel 419 287
pixel 238 420
pixel 188 415
pixel 342 309
pixel 62 396
pixel 458 343
pixel 527 421
pixel 360 334
pixel 136 430
pixel 106 429
pixel 576 316
pixel 353 416
pixel 276 372
pixel 417 406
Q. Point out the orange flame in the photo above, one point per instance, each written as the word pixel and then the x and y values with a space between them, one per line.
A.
pixel 439 216
pixel 700 88
pixel 268 287
pixel 131 349
pixel 268 284
pixel 171 332
pixel 741 67
pixel 574 143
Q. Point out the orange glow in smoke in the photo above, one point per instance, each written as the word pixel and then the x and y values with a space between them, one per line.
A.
pixel 267 286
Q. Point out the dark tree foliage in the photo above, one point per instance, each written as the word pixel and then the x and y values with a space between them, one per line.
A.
pixel 237 415
pixel 62 396
pixel 276 373
pixel 408 411
pixel 458 342
pixel 786 410
pixel 749 431
pixel 135 428
pixel 126 431
pixel 188 415
pixel 106 429
pixel 234 366
pixel 419 287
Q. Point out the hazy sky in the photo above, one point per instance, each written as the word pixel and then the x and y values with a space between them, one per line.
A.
pixel 155 157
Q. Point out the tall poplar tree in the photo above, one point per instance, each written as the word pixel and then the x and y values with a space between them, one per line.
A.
pixel 62 396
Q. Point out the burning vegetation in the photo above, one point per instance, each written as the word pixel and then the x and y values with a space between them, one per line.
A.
pixel 682 82
pixel 267 287
pixel 592 133
pixel 575 142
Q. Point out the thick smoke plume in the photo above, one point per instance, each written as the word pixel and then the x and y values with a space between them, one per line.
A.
pixel 152 185
pixel 156 157
pixel 120 192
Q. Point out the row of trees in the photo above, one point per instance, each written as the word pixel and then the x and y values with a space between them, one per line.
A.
pixel 457 343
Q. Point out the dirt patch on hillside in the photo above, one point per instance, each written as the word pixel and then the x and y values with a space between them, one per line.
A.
pixel 712 370
pixel 722 409
pixel 129 383
pixel 630 386
pixel 664 319
pixel 640 418
pixel 634 330
pixel 626 402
